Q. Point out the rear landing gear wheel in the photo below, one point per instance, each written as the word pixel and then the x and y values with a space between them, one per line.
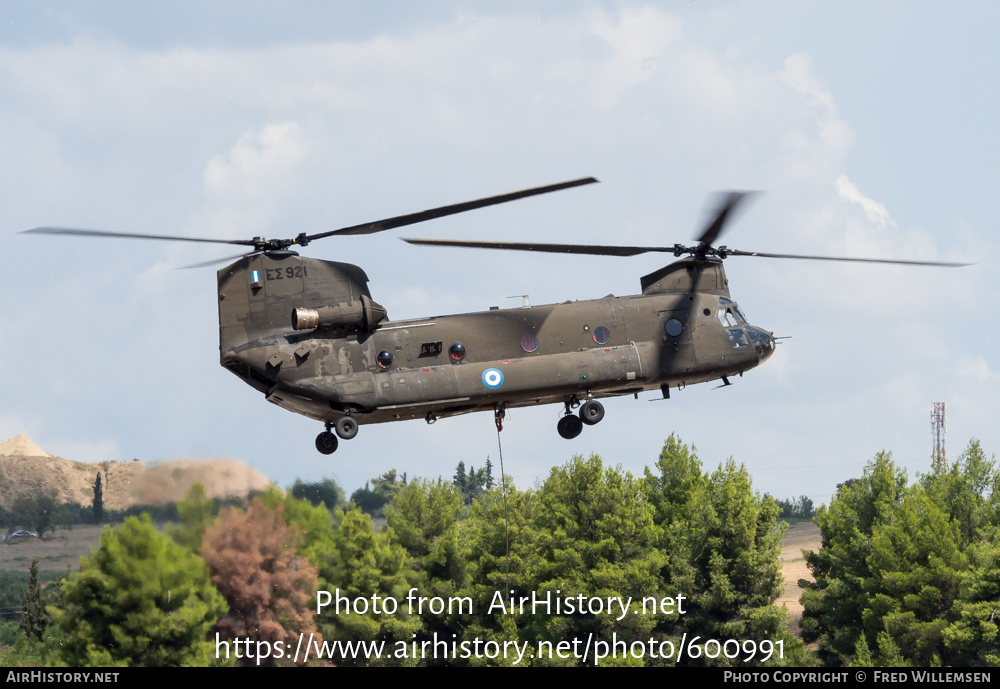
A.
pixel 591 412
pixel 326 443
pixel 569 426
pixel 346 428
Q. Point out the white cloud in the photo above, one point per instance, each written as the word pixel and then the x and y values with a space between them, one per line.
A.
pixel 259 163
pixel 975 369
pixel 822 145
pixel 874 210
pixel 797 72
pixel 639 41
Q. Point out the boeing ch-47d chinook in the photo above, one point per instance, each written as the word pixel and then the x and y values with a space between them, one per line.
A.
pixel 308 335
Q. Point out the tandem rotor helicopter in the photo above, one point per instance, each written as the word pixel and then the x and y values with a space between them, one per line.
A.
pixel 307 334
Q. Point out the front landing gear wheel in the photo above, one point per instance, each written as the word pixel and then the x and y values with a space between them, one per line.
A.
pixel 569 426
pixel 591 412
pixel 326 442
pixel 346 428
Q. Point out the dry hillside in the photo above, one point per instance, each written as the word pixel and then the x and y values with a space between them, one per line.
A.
pixel 26 468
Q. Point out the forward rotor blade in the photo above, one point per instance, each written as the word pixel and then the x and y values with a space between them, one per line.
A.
pixel 214 261
pixel 413 218
pixel 943 264
pixel 128 235
pixel 592 249
pixel 727 207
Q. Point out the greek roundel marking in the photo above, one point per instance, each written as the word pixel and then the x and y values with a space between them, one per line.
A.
pixel 492 378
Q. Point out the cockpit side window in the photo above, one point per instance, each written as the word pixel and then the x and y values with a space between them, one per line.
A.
pixel 730 314
pixel 727 317
pixel 737 338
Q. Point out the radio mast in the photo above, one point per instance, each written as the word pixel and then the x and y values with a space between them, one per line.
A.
pixel 939 429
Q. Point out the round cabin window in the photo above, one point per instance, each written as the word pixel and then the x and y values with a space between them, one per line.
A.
pixel 673 327
pixel 457 351
pixel 384 359
pixel 529 342
pixel 601 335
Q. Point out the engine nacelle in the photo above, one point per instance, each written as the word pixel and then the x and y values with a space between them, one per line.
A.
pixel 363 313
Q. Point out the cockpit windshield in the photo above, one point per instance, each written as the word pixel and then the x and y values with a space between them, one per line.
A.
pixel 730 313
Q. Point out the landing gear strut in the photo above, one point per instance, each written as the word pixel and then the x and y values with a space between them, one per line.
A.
pixel 346 428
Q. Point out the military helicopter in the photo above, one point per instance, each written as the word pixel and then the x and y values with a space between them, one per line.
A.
pixel 307 334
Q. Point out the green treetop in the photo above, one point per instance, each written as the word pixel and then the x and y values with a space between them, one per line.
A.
pixel 138 600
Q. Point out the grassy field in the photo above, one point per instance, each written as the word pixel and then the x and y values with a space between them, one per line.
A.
pixel 54 552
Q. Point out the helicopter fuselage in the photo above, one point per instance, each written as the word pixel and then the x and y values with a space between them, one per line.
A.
pixel 307 334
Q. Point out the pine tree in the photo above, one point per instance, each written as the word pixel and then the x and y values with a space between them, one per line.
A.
pixel 33 619
pixel 484 537
pixel 489 475
pixel 360 564
pixel 98 500
pixel 909 575
pixel 721 542
pixel 423 519
pixel 596 536
pixel 461 479
pixel 473 486
pixel 473 483
pixel 834 604
pixel 138 600
pixel 373 500
pixel 739 571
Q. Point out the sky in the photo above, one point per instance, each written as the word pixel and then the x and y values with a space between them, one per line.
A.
pixel 870 126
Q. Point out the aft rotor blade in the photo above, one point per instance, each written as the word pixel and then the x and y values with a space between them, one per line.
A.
pixel 943 264
pixel 413 218
pixel 128 235
pixel 599 250
pixel 727 207
pixel 592 249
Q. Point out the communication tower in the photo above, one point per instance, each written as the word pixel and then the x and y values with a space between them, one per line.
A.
pixel 939 429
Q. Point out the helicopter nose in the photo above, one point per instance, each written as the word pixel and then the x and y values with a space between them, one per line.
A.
pixel 763 342
pixel 768 349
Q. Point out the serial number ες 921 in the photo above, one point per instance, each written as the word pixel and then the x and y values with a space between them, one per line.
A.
pixel 286 273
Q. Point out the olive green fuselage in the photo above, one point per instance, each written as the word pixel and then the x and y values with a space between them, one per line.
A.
pixel 360 363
